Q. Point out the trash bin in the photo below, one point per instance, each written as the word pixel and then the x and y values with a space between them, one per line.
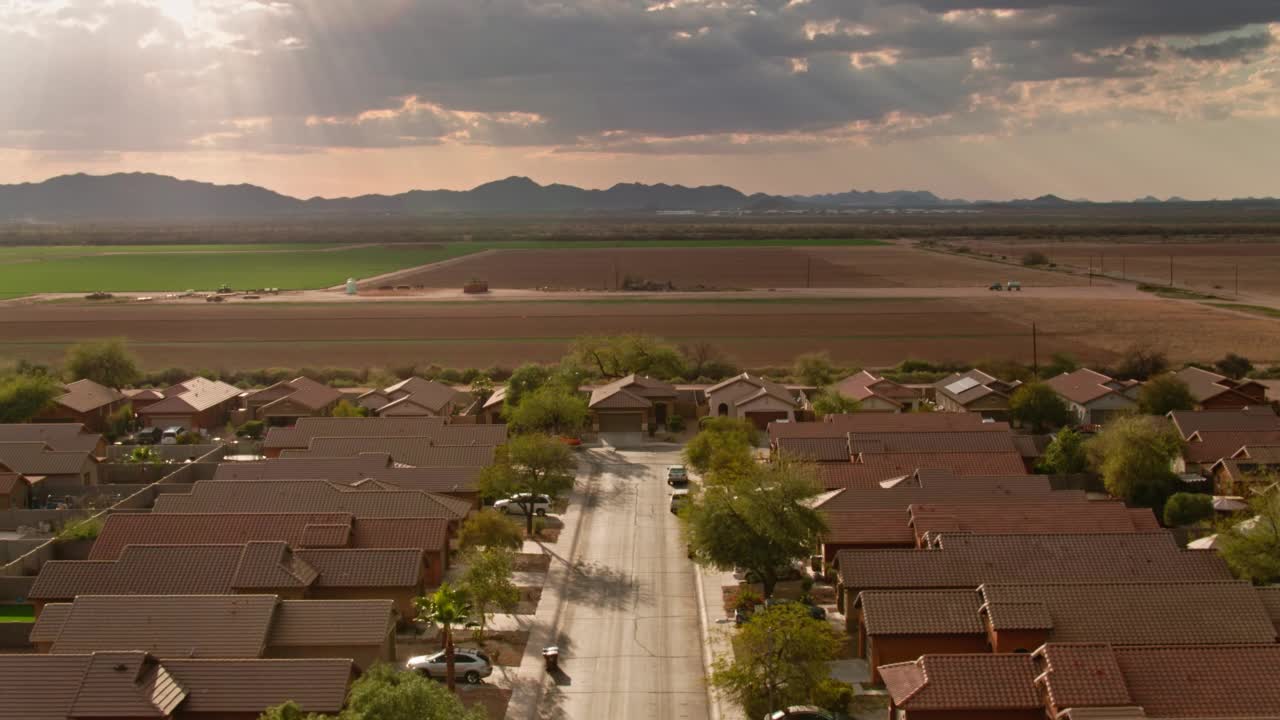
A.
pixel 551 656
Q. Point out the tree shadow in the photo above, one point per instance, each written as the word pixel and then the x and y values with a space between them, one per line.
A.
pixel 601 586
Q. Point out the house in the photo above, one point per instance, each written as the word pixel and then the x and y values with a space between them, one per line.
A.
pixel 633 404
pixel 976 392
pixel 879 457
pixel 299 531
pixel 220 626
pixel 456 481
pixel 310 496
pixel 1094 398
pixel 286 401
pixel 467 448
pixel 299 436
pixel 134 685
pixel 48 471
pixel 895 626
pixel 1212 435
pixel 417 397
pixel 87 403
pixel 15 491
pixel 1249 471
pixel 963 687
pixel 60 437
pixel 253 568
pixel 754 398
pixel 878 394
pixel 960 561
pixel 142 397
pixel 1219 392
pixel 196 404
pixel 1069 515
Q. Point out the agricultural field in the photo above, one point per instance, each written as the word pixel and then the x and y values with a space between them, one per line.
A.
pixel 727 268
pixel 756 333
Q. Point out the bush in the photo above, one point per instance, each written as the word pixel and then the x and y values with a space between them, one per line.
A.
pixel 1035 257
pixel 539 526
pixel 745 599
pixel 86 529
pixel 1234 366
pixel 1183 509
pixel 252 430
pixel 675 423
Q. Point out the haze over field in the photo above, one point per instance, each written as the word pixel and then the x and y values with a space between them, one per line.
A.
pixel 965 98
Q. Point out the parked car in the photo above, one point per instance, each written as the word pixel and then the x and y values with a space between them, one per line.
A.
pixel 800 712
pixel 679 498
pixel 470 665
pixel 170 435
pixel 677 475
pixel 518 504
pixel 145 436
pixel 815 612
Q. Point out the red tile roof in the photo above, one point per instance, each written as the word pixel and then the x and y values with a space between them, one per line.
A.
pixel 950 489
pixel 1254 419
pixel 86 395
pixel 354 470
pixel 921 612
pixel 392 568
pixel 963 682
pixel 976 441
pixel 877 468
pixel 300 434
pixel 1030 517
pixel 1083 386
pixel 1207 446
pixel 308 496
pixel 131 685
pixel 841 425
pixel 834 449
pixel 123 529
pixel 436 450
pixel 60 437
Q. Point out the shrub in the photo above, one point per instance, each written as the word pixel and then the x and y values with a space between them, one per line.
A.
pixel 675 423
pixel 1035 257
pixel 745 599
pixel 252 429
pixel 1187 509
pixel 86 529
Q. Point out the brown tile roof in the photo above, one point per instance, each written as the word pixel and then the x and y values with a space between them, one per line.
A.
pixel 301 433
pixel 951 489
pixel 428 534
pixel 365 568
pixel 878 527
pixel 1082 386
pixel 921 612
pixel 126 684
pixel 1270 596
pixel 354 470
pixel 931 442
pixel 431 451
pixel 833 449
pixel 1204 384
pixel 60 437
pixel 238 687
pixel 123 529
pixel 195 395
pixel 1258 455
pixel 1031 447
pixel 1207 446
pixel 301 391
pixel 308 496
pixel 963 682
pixel 222 626
pixel 429 394
pixel 35 458
pixel 864 385
pixel 86 395
pixel 1131 613
pixel 49 624
pixel 879 467
pixel 271 566
pixel 10 482
pixel 1254 419
pixel 330 623
pixel 40 687
pixel 1036 518
pixel 1223 681
pixel 967 561
pixel 637 390
pixel 618 399
pixel 841 425
pixel 326 536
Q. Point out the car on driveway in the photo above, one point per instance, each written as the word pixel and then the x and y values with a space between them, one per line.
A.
pixel 470 665
pixel 800 712
pixel 677 476
pixel 518 504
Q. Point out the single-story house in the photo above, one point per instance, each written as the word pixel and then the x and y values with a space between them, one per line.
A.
pixel 453 446
pixel 1094 398
pixel 456 481
pixel 60 437
pixel 85 402
pixel 1219 392
pixel 963 687
pixel 1248 471
pixel 417 397
pixel 754 398
pixel 300 435
pixel 196 404
pixel 1212 435
pixel 633 404
pixel 878 394
pixel 286 401
pixel 976 392
pixel 49 471
pixel 15 491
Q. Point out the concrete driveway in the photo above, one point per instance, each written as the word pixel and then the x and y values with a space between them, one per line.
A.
pixel 630 641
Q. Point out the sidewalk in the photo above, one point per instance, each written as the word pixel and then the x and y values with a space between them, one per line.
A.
pixel 716 630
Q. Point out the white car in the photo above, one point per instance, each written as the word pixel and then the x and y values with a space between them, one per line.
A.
pixel 519 504
pixel 470 665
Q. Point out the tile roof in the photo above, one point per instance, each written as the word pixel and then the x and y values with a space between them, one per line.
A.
pixel 931 442
pixel 1030 517
pixel 1083 386
pixel 841 425
pixel 330 623
pixel 876 468
pixel 880 527
pixel 864 385
pixel 124 529
pixel 86 395
pixel 967 561
pixel 920 612
pixel 35 458
pixel 833 449
pixel 428 534
pixel 1253 419
pixel 302 391
pixel 1031 447
pixel 428 393
pixel 1204 384
pixel 951 489
pixel 272 566
pixel 963 682
pixel 195 395
pixel 60 437
pixel 10 482
pixel 238 687
pixel 306 428
pixel 40 687
pixel 1207 446
pixel 337 469
pixel 618 399
pixel 126 684
pixel 638 388
pixel 1258 455
pixel 394 568
pixel 308 496
pixel 219 626
pixel 448 448
pixel 1270 597
pixel 336 535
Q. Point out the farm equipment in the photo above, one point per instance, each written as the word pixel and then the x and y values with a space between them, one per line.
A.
pixel 225 289
pixel 1015 285
pixel 996 286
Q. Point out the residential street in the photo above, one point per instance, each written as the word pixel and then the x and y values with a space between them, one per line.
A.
pixel 628 631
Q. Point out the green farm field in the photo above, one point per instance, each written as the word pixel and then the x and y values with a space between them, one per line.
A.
pixel 28 270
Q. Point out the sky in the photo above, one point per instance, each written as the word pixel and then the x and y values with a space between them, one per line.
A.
pixel 976 99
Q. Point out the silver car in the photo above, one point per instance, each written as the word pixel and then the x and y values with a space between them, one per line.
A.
pixel 470 665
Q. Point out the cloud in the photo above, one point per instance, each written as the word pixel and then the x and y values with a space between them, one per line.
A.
pixel 616 76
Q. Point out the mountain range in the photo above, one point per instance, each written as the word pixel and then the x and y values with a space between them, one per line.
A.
pixel 149 197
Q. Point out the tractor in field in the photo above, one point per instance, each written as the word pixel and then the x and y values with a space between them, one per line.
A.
pixel 1015 285
pixel 996 286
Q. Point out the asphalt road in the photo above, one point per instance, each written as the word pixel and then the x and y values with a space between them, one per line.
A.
pixel 629 628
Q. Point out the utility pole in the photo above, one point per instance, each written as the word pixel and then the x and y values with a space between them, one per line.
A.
pixel 808 272
pixel 1123 275
pixel 1237 282
pixel 1170 271
pixel 1035 352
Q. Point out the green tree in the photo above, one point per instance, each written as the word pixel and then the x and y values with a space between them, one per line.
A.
pixel 251 429
pixel 489 529
pixel 534 464
pixel 384 692
pixel 759 519
pixel 831 402
pixel 1035 405
pixel 525 379
pixel 487 582
pixel 1060 363
pixel 23 397
pixel 447 607
pixel 120 421
pixel 1140 362
pixel 615 356
pixel 145 455
pixel 346 409
pixel 815 369
pixel 290 711
pixel 780 659
pixel 1065 454
pixel 721 443
pixel 1135 457
pixel 106 362
pixel 1163 394
pixel 87 529
pixel 1234 366
pixel 1252 547
pixel 481 388
pixel 551 408
pixel 1187 509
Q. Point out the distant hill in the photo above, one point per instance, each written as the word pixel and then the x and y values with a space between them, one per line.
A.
pixel 873 199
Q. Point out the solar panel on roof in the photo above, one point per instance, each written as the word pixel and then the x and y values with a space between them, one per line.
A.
pixel 961 385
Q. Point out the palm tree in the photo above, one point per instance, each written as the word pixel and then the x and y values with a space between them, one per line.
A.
pixel 446 607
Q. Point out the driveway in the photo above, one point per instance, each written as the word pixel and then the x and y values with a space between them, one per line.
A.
pixel 629 635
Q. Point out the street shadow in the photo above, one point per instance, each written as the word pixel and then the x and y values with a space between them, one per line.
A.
pixel 561 678
pixel 601 586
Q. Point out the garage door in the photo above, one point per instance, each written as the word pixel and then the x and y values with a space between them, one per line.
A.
pixel 762 419
pixel 620 422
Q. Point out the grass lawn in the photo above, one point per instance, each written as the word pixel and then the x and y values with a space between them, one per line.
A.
pixel 17 613
pixel 1262 310
pixel 166 268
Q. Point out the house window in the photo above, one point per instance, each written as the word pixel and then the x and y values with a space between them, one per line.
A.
pixel 723 410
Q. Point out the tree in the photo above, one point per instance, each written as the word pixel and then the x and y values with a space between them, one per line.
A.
pixel 1135 457
pixel 1163 394
pixel 1065 454
pixel 120 421
pixel 481 388
pixel 759 519
pixel 1234 366
pixel 552 409
pixel 487 582
pixel 106 362
pixel 1060 363
pixel 815 369
pixel 1140 362
pixel 720 443
pixel 144 455
pixel 346 409
pixel 1252 547
pixel 251 429
pixel 1187 509
pixel 22 397
pixel 1038 406
pixel 702 360
pixel 780 658
pixel 533 464
pixel 831 402
pixel 446 607
pixel 1035 257
pixel 615 356
pixel 386 693
pixel 489 529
